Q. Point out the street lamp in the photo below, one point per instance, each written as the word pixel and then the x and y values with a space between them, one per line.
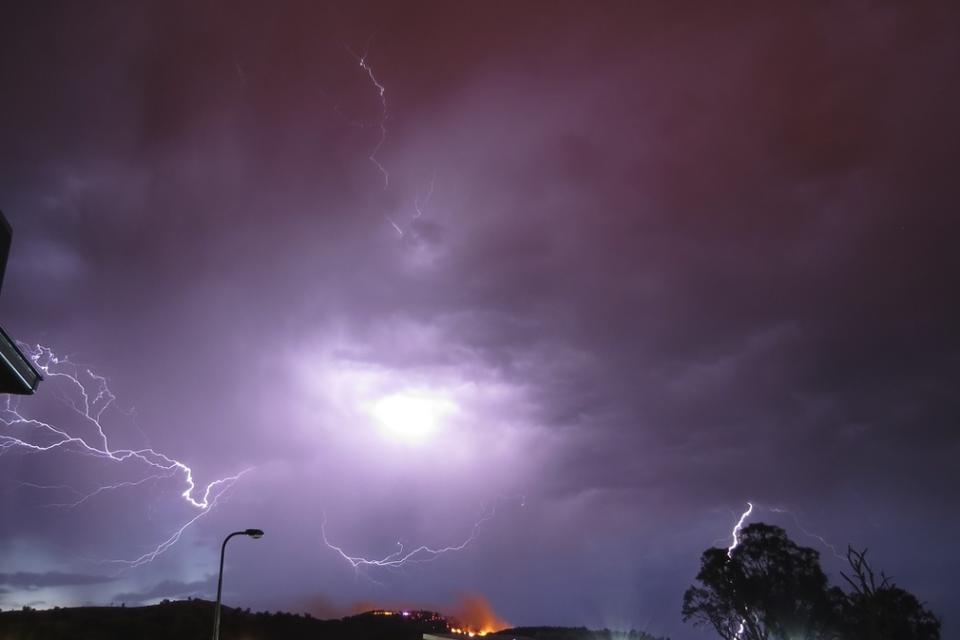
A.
pixel 253 533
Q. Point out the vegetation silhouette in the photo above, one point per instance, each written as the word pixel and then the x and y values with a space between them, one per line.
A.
pixel 880 611
pixel 190 620
pixel 769 588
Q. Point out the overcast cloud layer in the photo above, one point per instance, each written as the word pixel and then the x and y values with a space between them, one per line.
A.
pixel 666 261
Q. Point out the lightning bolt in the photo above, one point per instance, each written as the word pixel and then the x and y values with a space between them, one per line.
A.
pixel 381 90
pixel 90 400
pixel 752 507
pixel 161 548
pixel 734 543
pixel 809 534
pixel 735 534
pixel 83 497
pixel 419 204
pixel 402 556
pixel 384 115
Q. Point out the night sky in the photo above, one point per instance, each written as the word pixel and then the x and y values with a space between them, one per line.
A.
pixel 613 271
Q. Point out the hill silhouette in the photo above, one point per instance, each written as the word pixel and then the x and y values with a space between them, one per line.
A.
pixel 193 620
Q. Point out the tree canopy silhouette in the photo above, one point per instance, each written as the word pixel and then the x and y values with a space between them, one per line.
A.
pixel 770 588
pixel 880 610
pixel 767 587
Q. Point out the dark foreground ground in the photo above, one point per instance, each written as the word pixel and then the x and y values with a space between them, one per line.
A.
pixel 193 620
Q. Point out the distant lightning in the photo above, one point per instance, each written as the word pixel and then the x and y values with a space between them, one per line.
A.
pixel 809 534
pixel 384 115
pixel 418 203
pixel 90 400
pixel 83 497
pixel 395 226
pixel 402 556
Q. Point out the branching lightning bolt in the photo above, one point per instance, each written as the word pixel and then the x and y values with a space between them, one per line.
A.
pixel 752 507
pixel 402 556
pixel 90 400
pixel 150 556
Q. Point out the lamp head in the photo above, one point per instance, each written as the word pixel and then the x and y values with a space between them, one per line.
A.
pixel 253 533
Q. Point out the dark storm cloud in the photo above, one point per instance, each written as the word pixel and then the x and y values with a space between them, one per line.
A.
pixel 721 284
pixel 700 255
pixel 32 581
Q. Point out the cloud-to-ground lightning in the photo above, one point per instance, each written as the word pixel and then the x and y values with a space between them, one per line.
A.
pixel 734 543
pixel 735 534
pixel 89 397
pixel 781 511
pixel 402 556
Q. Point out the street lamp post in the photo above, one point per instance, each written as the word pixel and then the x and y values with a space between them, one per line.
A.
pixel 253 533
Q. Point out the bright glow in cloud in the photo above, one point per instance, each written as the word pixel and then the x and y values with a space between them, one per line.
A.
pixel 411 417
pixel 401 386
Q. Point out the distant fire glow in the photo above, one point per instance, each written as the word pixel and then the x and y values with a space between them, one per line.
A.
pixel 477 617
pixel 471 616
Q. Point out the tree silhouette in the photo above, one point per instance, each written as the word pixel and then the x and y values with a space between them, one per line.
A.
pixel 880 611
pixel 767 587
